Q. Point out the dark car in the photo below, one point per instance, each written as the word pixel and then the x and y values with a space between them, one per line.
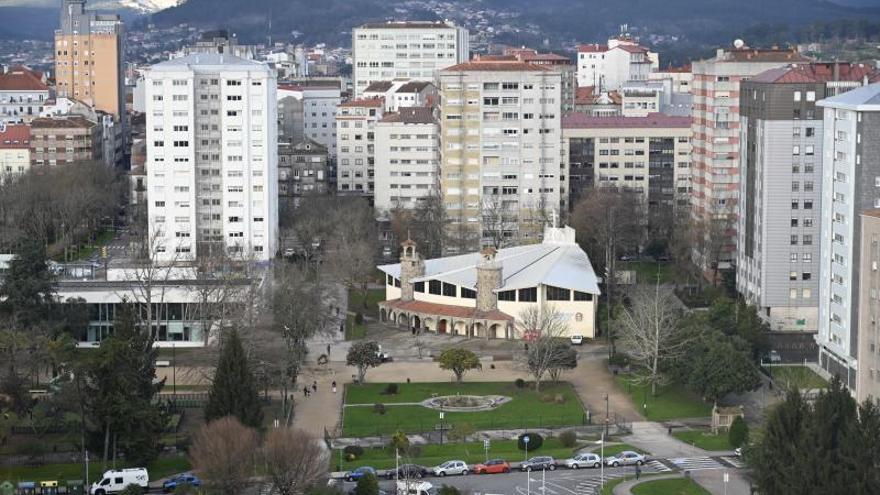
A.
pixel 186 479
pixel 359 473
pixel 408 471
pixel 538 463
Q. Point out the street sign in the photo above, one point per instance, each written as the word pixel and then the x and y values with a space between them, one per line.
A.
pixel 441 415
pixel 486 444
pixel 526 439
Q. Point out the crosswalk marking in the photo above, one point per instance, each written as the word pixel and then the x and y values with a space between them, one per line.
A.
pixel 733 461
pixel 656 466
pixel 696 463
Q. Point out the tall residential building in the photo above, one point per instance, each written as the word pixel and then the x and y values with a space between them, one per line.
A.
pixel 405 50
pixel 780 189
pixel 355 144
pixel 307 110
pixel 407 158
pixel 212 159
pixel 716 161
pixel 502 175
pixel 648 155
pixel 850 185
pixel 868 375
pixel 607 66
pixel 89 56
pixel 23 95
pixel 564 65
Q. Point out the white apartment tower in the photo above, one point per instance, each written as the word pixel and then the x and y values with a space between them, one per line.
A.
pixel 407 158
pixel 355 145
pixel 502 174
pixel 212 168
pixel 850 185
pixel 405 50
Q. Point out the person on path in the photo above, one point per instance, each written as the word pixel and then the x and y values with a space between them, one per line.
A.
pixel 638 471
pixel 328 351
pixel 333 386
pixel 305 391
pixel 315 387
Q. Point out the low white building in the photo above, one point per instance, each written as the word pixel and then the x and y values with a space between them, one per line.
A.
pixel 608 66
pixel 485 294
pixel 23 95
pixel 403 93
pixel 407 163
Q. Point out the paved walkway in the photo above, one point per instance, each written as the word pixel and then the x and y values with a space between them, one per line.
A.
pixel 625 488
pixel 714 482
pixel 654 438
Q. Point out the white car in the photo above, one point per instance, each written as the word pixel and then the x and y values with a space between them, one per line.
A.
pixel 116 481
pixel 451 467
pixel 587 459
pixel 576 339
pixel 625 458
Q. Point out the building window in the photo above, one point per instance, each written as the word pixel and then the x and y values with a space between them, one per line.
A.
pixel 558 294
pixel 449 290
pixel 434 287
pixel 468 293
pixel 507 295
pixel 528 295
pixel 389 280
pixel 582 296
pixel 419 287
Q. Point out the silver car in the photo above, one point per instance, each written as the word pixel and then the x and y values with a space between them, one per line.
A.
pixel 451 467
pixel 625 458
pixel 587 459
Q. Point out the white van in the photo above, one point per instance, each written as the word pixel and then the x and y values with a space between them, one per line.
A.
pixel 415 488
pixel 116 481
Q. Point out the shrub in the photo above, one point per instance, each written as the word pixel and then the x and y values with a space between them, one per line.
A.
pixel 739 432
pixel 354 451
pixel 379 408
pixel 448 490
pixel 535 441
pixel 520 383
pixel 367 485
pixel 359 318
pixel 568 438
pixel 390 389
pixel 399 441
pixel 619 359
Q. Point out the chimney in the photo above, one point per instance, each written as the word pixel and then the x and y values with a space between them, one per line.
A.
pixel 411 267
pixel 489 278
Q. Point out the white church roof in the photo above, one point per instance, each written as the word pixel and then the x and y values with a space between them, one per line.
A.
pixel 558 261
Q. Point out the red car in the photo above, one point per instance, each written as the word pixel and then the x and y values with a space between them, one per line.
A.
pixel 494 466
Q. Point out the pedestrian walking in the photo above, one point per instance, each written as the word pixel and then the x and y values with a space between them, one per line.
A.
pixel 305 391
pixel 328 350
pixel 315 387
pixel 638 471
pixel 333 386
pixel 414 331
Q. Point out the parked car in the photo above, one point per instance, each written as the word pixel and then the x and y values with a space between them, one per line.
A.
pixel 625 458
pixel 415 488
pixel 587 459
pixel 494 466
pixel 451 467
pixel 539 463
pixel 185 479
pixel 408 471
pixel 359 473
pixel 576 339
pixel 775 357
pixel 738 451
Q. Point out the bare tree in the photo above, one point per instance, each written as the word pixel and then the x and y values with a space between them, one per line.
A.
pixel 541 325
pixel 430 221
pixel 295 460
pixel 712 239
pixel 223 452
pixel 148 282
pixel 499 221
pixel 651 333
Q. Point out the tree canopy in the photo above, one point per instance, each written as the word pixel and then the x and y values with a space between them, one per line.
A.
pixel 233 390
pixel 459 361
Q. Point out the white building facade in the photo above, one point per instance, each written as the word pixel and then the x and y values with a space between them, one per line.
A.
pixel 355 144
pixel 607 67
pixel 318 111
pixel 212 168
pixel 407 158
pixel 405 50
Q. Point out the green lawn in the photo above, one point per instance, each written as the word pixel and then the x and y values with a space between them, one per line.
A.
pixel 676 486
pixel 161 468
pixel 470 452
pixel 672 401
pixel 354 331
pixel 356 301
pixel 704 439
pixel 646 272
pixel 527 409
pixel 797 376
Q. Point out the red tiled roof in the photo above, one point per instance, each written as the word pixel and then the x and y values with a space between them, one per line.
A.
pixel 15 136
pixel 477 65
pixel 411 115
pixel 61 122
pixel 446 310
pixel 584 121
pixel 21 79
pixel 816 73
pixel 763 55
pixel 584 95
pixel 632 48
pixel 364 102
pixel 508 57
pixel 616 97
pixel 592 48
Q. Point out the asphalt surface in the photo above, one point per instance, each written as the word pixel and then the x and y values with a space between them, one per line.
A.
pixel 564 481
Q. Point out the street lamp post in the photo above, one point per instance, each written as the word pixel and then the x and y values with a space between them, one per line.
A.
pixel 607 416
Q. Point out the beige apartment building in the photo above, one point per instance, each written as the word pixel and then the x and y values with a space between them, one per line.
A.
pixel 868 376
pixel 61 140
pixel 356 143
pixel 407 158
pixel 501 172
pixel 648 155
pixel 88 58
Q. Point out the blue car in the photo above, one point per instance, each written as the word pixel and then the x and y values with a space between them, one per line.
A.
pixel 181 480
pixel 359 473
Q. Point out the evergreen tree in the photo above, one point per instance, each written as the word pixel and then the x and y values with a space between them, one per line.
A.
pixel 234 391
pixel 120 389
pixel 739 432
pixel 774 460
pixel 834 413
pixel 860 455
pixel 28 286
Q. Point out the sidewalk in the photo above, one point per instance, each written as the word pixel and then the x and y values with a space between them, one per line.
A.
pixel 713 480
pixel 654 438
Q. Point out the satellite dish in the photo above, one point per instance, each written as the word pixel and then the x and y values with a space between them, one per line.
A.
pixel 738 43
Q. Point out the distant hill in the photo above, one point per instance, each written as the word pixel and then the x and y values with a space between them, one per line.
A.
pixel 331 20
pixel 28 23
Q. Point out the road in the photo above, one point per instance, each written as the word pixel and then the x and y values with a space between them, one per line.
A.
pixel 565 481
